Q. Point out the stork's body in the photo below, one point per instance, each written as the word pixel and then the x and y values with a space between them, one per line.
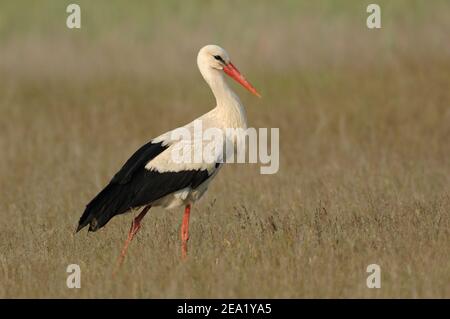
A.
pixel 151 177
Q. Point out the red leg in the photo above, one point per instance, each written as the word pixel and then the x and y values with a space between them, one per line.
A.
pixel 185 231
pixel 135 226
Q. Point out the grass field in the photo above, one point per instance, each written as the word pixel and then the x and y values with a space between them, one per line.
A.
pixel 364 118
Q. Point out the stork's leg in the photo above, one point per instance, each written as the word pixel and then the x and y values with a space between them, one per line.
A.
pixel 135 226
pixel 185 231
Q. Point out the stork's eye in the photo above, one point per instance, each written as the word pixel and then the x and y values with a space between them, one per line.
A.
pixel 219 58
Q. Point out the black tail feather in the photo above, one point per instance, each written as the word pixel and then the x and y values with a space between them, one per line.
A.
pixel 108 203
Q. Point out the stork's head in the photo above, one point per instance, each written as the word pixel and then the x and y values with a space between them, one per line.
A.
pixel 217 58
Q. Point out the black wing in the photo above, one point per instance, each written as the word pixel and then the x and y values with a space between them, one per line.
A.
pixel 135 186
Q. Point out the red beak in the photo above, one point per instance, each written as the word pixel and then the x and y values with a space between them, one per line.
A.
pixel 234 73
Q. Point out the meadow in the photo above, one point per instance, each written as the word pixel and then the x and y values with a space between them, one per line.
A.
pixel 364 118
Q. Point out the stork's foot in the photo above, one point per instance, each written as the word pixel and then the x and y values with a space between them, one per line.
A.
pixel 184 248
pixel 135 226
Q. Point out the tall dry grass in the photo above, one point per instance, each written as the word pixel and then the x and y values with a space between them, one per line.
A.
pixel 364 124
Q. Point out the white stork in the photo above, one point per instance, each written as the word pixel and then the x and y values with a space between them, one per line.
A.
pixel 151 177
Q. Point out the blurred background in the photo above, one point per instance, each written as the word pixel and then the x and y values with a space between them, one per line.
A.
pixel 364 122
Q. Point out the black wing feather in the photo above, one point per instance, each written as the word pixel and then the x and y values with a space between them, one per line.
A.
pixel 134 186
pixel 140 158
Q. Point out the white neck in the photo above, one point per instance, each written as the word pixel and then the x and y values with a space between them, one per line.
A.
pixel 228 105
